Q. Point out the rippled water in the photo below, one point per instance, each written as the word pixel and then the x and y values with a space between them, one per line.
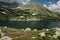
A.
pixel 30 24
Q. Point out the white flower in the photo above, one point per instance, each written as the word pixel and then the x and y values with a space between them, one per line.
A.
pixel 43 29
pixel 35 29
pixel 49 35
pixel 57 33
pixel 6 38
pixel 58 29
pixel 54 36
pixel 28 29
pixel 22 29
pixel 42 34
pixel 47 29
pixel 2 34
pixel 5 26
pixel 0 30
pixel 33 37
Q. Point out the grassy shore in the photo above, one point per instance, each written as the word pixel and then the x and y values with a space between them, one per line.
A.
pixel 23 34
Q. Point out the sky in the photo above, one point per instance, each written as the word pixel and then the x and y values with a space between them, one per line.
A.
pixel 45 1
pixel 53 5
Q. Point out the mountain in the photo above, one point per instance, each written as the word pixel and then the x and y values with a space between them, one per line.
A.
pixel 29 12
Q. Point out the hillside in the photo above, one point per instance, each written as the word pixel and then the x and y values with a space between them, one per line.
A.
pixel 29 12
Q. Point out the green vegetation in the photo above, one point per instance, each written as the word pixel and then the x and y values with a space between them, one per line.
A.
pixel 21 34
pixel 28 12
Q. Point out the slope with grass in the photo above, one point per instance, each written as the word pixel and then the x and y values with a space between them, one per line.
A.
pixel 29 12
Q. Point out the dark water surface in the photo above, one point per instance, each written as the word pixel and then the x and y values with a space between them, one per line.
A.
pixel 30 24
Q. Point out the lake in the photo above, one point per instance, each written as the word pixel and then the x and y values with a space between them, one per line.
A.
pixel 30 24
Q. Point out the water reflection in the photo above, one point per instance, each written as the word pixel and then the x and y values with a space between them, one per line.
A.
pixel 30 24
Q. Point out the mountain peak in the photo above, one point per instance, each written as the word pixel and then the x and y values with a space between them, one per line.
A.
pixel 31 11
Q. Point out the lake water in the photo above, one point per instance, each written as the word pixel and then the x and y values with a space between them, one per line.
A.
pixel 30 24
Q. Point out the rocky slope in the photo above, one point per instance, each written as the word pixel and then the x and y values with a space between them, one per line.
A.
pixel 29 12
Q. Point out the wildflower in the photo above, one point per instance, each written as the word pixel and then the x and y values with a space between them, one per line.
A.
pixel 43 29
pixel 33 37
pixel 54 36
pixel 0 30
pixel 57 33
pixel 6 38
pixel 27 33
pixel 16 37
pixel 2 34
pixel 8 33
pixel 57 29
pixel 42 34
pixel 22 29
pixel 33 14
pixel 35 29
pixel 21 33
pixel 5 26
pixel 49 35
pixel 48 32
pixel 28 29
pixel 47 29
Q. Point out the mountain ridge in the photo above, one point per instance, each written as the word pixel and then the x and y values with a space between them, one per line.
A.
pixel 29 12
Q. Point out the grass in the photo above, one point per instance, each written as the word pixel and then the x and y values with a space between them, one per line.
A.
pixel 19 34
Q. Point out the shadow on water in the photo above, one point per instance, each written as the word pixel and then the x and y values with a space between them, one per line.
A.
pixel 29 24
